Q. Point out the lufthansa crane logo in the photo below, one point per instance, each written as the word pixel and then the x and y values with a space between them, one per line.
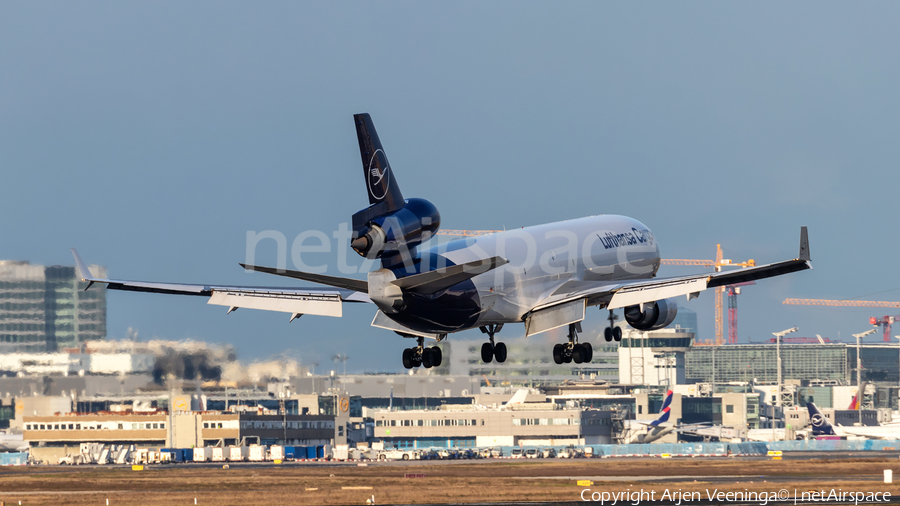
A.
pixel 817 420
pixel 379 180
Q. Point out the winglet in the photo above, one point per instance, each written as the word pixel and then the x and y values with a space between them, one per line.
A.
pixel 804 245
pixel 83 270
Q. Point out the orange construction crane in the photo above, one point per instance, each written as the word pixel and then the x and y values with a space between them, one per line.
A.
pixel 885 322
pixel 717 264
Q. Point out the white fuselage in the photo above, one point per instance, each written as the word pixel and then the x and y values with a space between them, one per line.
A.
pixel 541 259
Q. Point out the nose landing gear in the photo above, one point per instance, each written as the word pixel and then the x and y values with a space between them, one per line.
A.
pixel 420 355
pixel 490 351
pixel 573 351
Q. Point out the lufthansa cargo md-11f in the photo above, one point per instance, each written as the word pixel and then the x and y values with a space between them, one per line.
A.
pixel 543 276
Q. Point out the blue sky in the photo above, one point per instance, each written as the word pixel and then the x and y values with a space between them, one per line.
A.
pixel 154 135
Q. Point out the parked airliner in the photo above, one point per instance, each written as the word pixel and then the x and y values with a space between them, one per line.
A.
pixel 544 276
pixel 822 427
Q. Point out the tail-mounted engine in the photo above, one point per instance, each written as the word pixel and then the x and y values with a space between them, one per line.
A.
pixel 652 316
pixel 391 224
pixel 398 231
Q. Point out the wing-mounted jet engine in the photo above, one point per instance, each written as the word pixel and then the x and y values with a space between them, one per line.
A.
pixel 652 315
pixel 647 316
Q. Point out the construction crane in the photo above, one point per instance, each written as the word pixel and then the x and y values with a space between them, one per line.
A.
pixel 717 264
pixel 733 291
pixel 885 322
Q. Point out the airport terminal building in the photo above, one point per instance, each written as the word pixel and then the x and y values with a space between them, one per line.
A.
pixel 52 436
pixel 468 427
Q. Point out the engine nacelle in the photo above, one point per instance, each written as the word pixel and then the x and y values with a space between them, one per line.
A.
pixel 416 222
pixel 653 316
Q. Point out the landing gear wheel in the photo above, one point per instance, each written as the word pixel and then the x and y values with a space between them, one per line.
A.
pixel 567 355
pixel 558 353
pixel 407 358
pixel 578 353
pixel 608 334
pixel 487 353
pixel 588 352
pixel 500 352
pixel 416 358
pixel 436 356
pixel 427 358
pixel 617 333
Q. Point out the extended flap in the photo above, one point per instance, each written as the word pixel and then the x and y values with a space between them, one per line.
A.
pixel 554 316
pixel 638 294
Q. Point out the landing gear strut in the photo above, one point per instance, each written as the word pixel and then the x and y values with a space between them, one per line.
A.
pixel 490 351
pixel 573 351
pixel 612 332
pixel 420 355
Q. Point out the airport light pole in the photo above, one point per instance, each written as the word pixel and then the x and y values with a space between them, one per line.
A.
pixel 859 392
pixel 778 337
pixel 898 355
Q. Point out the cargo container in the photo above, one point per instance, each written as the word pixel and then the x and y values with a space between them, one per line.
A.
pixel 321 451
pixel 311 452
pixel 255 453
pixel 238 453
pixel 203 454
pixel 276 452
pixel 187 454
pixel 341 452
pixel 218 454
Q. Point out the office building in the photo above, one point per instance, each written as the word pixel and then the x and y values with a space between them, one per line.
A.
pixel 46 309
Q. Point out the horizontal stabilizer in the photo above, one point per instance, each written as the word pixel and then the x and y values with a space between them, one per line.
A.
pixel 356 285
pixel 445 277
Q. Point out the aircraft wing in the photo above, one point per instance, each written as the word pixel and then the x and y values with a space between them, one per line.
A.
pixel 297 301
pixel 614 295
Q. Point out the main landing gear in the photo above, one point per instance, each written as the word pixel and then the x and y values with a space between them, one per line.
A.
pixel 612 332
pixel 420 355
pixel 490 351
pixel 573 351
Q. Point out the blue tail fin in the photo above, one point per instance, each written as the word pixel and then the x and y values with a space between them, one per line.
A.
pixel 820 424
pixel 664 412
pixel 380 181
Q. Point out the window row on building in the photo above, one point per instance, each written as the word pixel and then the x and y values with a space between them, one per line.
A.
pixel 277 424
pixel 96 426
pixel 546 421
pixel 428 423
